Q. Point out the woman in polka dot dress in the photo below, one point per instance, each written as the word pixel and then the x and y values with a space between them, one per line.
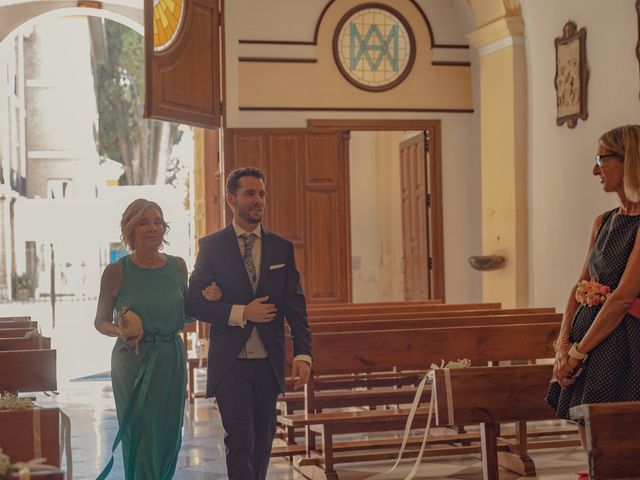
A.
pixel 598 349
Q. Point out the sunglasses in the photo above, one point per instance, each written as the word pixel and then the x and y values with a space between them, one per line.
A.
pixel 600 158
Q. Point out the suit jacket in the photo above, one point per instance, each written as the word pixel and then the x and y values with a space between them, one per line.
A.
pixel 219 260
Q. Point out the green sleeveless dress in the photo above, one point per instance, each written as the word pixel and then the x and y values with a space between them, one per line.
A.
pixel 149 388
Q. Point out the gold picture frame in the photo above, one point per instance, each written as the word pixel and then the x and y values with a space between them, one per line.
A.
pixel 571 75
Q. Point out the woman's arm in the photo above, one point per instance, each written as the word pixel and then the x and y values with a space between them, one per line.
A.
pixel 572 303
pixel 182 266
pixel 617 305
pixel 109 287
pixel 562 371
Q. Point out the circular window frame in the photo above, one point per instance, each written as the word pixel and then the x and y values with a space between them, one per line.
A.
pixel 412 55
pixel 176 34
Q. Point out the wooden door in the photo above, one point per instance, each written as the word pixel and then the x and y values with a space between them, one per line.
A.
pixel 415 218
pixel 307 200
pixel 182 61
pixel 208 191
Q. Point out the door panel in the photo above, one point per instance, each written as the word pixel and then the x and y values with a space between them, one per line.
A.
pixel 182 81
pixel 284 174
pixel 307 180
pixel 416 248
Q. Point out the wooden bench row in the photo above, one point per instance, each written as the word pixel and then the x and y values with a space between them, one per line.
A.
pixel 28 365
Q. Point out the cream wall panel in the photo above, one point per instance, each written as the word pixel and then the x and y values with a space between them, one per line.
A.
pixel 320 85
pixel 564 195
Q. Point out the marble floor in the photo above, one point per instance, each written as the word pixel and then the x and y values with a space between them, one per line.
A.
pixel 90 406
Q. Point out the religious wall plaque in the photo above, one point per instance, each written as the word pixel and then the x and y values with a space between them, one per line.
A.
pixel 571 75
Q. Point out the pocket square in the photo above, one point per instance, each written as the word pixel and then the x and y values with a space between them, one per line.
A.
pixel 275 267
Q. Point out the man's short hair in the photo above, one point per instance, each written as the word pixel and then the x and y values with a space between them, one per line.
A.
pixel 233 180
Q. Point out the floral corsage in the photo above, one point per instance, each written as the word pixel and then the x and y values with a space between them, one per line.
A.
pixel 592 293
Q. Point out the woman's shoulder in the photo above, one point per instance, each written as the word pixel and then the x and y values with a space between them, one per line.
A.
pixel 115 268
pixel 178 262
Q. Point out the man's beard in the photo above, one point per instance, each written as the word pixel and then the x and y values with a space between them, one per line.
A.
pixel 247 217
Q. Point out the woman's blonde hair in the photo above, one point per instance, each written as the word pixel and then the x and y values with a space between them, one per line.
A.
pixel 625 141
pixel 132 215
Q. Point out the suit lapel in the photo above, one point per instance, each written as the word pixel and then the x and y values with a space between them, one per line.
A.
pixel 236 258
pixel 266 259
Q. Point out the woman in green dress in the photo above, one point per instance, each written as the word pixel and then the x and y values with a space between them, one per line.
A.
pixel 148 370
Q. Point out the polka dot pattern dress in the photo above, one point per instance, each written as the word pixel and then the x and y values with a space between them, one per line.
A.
pixel 612 372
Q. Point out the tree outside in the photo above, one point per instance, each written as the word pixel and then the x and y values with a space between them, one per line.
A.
pixel 143 146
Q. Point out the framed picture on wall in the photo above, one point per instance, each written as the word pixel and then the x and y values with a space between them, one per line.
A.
pixel 571 75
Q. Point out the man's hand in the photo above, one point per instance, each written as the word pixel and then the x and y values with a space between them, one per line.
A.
pixel 301 372
pixel 212 292
pixel 259 311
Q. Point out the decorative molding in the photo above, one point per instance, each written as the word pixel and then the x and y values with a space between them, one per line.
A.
pixel 450 64
pixel 275 42
pixel 319 22
pixel 60 154
pixel 373 124
pixel 499 45
pixel 249 108
pixel 505 27
pixel 277 60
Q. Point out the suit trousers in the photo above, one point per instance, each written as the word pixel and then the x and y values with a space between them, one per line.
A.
pixel 246 398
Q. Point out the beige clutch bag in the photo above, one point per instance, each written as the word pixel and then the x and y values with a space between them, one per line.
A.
pixel 129 324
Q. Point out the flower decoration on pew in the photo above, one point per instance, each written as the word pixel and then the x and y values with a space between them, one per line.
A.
pixel 464 363
pixel 22 469
pixel 33 334
pixel 591 293
pixel 10 401
pixel 5 465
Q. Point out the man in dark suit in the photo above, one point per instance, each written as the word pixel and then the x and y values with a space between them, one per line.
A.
pixel 256 272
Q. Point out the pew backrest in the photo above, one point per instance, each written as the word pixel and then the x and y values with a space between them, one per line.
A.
pixel 467 396
pixel 417 349
pixel 42 343
pixel 28 370
pixel 434 322
pixel 612 438
pixel 359 317
pixel 14 332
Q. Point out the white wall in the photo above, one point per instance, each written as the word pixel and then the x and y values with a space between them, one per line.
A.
pixel 376 216
pixel 564 195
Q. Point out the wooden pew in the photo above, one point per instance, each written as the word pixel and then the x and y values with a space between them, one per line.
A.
pixel 294 401
pixel 411 349
pixel 398 307
pixel 490 396
pixel 344 314
pixel 612 439
pixel 18 324
pixel 374 304
pixel 434 322
pixel 360 317
pixel 363 308
pixel 15 332
pixel 42 343
pixel 19 434
pixel 13 319
pixel 28 371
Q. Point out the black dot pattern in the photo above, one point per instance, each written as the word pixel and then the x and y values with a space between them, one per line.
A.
pixel 612 371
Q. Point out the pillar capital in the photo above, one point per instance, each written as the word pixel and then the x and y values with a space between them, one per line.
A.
pixel 504 30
